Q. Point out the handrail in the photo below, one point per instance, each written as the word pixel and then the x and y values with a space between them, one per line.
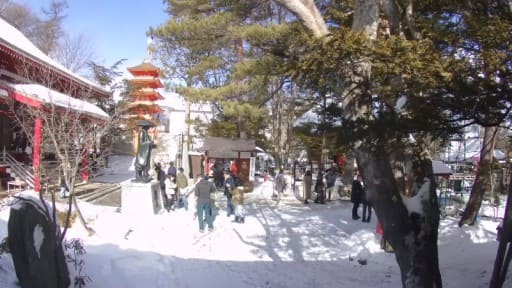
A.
pixel 18 169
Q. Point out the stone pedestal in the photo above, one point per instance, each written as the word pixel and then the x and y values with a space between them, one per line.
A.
pixel 141 199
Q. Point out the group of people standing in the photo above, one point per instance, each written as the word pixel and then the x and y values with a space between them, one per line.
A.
pixel 205 190
pixel 324 192
pixel 359 196
pixel 217 170
pixel 174 181
pixel 172 184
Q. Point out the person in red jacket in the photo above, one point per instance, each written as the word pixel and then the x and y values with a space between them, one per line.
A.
pixel 233 168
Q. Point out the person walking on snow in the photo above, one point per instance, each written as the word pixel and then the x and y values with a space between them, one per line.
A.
pixel 356 195
pixel 203 191
pixel 161 177
pixel 320 188
pixel 307 181
pixel 330 180
pixel 181 184
pixel 367 204
pixel 238 203
pixel 280 183
pixel 229 185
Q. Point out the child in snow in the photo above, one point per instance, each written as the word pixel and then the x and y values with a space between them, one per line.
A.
pixel 238 202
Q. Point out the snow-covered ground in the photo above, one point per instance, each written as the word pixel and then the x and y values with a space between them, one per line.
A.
pixel 280 245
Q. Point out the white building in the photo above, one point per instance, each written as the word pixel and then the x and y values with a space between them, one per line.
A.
pixel 467 148
pixel 173 129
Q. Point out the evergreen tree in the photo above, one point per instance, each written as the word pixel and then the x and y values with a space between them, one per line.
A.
pixel 209 46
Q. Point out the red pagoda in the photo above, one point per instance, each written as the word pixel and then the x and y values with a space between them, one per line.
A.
pixel 142 96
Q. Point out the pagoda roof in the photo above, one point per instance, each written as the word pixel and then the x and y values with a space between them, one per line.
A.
pixel 145 91
pixel 146 95
pixel 144 107
pixel 146 82
pixel 16 50
pixel 148 117
pixel 145 68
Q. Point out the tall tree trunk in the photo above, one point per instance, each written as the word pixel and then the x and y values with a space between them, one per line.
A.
pixel 186 137
pixel 242 129
pixel 413 234
pixel 482 178
pixel 504 253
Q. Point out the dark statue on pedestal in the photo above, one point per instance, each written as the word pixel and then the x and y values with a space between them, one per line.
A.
pixel 143 156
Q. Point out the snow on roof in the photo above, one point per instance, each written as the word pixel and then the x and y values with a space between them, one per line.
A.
pixel 14 39
pixel 223 144
pixel 46 95
pixel 439 168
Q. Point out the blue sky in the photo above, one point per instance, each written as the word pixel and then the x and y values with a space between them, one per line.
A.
pixel 116 28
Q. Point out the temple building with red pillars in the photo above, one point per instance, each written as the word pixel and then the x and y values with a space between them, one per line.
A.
pixel 143 92
pixel 34 80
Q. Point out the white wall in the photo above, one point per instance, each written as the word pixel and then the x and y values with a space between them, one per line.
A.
pixel 174 107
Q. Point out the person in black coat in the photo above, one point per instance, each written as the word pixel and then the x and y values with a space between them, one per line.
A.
pixel 367 206
pixel 161 176
pixel 63 187
pixel 319 188
pixel 356 195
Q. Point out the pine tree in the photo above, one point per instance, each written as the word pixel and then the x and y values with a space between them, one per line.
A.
pixel 213 49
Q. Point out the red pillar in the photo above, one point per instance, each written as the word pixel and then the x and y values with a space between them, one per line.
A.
pixel 85 176
pixel 36 151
